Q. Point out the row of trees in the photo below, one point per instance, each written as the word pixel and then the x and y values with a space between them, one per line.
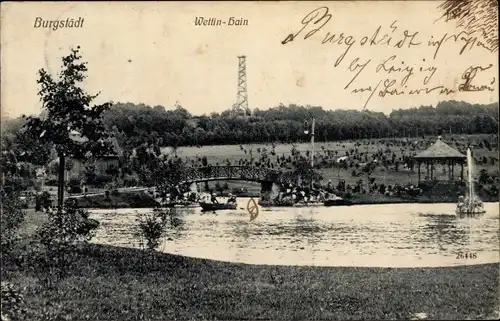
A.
pixel 137 124
pixel 134 125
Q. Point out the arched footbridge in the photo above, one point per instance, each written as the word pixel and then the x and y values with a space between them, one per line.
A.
pixel 267 177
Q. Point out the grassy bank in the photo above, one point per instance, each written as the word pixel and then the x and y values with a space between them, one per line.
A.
pixel 143 200
pixel 118 200
pixel 110 283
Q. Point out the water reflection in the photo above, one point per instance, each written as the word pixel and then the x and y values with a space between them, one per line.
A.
pixel 375 235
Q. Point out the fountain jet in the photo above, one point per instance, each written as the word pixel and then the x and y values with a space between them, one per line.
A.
pixel 471 204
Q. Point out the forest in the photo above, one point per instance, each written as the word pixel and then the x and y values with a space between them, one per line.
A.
pixel 138 124
pixel 134 125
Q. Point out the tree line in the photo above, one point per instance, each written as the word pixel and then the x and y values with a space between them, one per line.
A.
pixel 136 124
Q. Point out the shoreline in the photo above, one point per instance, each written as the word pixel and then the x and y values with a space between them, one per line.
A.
pixel 120 283
pixel 143 200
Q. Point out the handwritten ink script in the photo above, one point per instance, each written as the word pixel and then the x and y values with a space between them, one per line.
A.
pixel 397 77
pixel 454 14
pixel 253 209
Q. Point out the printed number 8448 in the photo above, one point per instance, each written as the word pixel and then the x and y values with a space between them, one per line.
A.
pixel 462 255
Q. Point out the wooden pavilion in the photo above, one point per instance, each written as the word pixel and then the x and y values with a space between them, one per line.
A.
pixel 443 154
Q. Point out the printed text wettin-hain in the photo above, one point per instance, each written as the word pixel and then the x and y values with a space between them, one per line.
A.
pixel 232 21
pixel 57 24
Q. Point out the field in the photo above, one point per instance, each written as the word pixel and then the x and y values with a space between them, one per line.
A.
pixel 233 153
pixel 110 283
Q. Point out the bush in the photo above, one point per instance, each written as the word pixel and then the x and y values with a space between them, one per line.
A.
pixel 43 201
pixel 75 190
pixel 102 180
pixel 74 182
pixel 74 185
pixel 11 218
pixel 60 235
pixel 152 227
pixel 130 181
pixel 52 182
pixel 12 302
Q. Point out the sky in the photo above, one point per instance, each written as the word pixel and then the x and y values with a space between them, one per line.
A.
pixel 153 53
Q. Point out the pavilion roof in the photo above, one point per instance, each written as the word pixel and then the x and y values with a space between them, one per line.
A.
pixel 440 150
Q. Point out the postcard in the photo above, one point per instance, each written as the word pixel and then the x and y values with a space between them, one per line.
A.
pixel 244 160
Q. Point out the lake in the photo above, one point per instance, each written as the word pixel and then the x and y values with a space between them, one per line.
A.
pixel 399 235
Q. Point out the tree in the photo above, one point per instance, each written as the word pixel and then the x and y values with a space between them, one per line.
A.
pixel 67 107
pixel 60 235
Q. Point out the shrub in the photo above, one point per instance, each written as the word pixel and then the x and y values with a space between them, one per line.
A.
pixel 152 226
pixel 43 201
pixel 130 181
pixel 151 229
pixel 75 190
pixel 60 235
pixel 52 182
pixel 11 217
pixel 74 182
pixel 102 180
pixel 12 302
pixel 483 176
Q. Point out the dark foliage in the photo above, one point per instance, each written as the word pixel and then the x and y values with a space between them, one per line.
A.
pixel 68 108
pixel 135 125
pixel 60 236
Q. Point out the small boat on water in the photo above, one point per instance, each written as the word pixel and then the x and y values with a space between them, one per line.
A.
pixel 309 204
pixel 217 206
pixel 337 201
pixel 176 204
pixel 181 205
pixel 291 204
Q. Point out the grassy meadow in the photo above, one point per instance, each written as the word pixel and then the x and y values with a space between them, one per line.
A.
pixel 111 283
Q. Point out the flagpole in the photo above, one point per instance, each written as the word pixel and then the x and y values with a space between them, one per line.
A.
pixel 312 151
